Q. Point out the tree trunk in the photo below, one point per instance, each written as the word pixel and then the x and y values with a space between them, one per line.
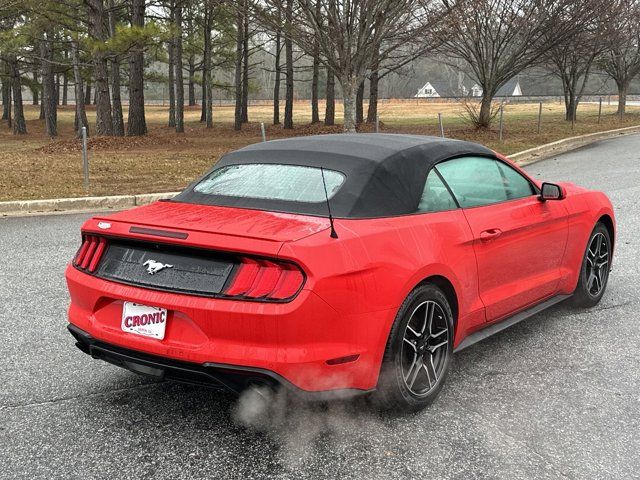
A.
pixel 330 109
pixel 136 123
pixel 238 78
pixel 49 105
pixel 484 117
pixel 35 91
pixel 276 83
pixel 118 118
pixel 172 84
pixel 104 118
pixel 245 65
pixel 65 89
pixel 192 81
pixel 207 30
pixel 9 110
pixel 372 112
pixel 19 125
pixel 315 114
pixel 207 103
pixel 65 80
pixel 6 97
pixel 179 74
pixel 58 89
pixel 623 87
pixel 288 47
pixel 81 114
pixel 360 103
pixel 87 93
pixel 349 86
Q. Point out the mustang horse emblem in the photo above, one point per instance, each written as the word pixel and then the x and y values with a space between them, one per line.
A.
pixel 154 267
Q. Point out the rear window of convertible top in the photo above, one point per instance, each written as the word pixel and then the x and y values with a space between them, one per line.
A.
pixel 292 183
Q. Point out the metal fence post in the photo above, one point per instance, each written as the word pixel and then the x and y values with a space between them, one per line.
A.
pixel 600 109
pixel 539 116
pixel 441 127
pixel 85 159
pixel 501 120
pixel 264 133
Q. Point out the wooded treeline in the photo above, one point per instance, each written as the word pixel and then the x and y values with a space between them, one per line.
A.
pixel 93 50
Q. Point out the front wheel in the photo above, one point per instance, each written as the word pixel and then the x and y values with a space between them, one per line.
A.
pixel 418 352
pixel 594 272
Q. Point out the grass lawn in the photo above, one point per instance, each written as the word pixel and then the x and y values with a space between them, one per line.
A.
pixel 35 167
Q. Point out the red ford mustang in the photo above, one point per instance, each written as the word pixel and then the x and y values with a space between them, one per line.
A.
pixel 335 265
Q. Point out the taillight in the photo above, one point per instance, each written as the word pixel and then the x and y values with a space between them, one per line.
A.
pixel 89 253
pixel 265 279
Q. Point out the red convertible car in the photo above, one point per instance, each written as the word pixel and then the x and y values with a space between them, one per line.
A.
pixel 335 265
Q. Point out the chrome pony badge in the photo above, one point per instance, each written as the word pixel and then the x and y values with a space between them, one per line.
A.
pixel 154 267
pixel 104 225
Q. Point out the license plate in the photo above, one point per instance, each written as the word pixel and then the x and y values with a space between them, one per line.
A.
pixel 144 320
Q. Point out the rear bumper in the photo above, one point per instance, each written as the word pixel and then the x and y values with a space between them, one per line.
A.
pixel 297 341
pixel 232 378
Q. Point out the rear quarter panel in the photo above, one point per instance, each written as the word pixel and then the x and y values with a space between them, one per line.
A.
pixel 368 272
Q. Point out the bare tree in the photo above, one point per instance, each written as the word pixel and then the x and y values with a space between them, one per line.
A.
pixel 622 59
pixel 288 53
pixel 330 95
pixel 238 74
pixel 498 39
pixel 245 64
pixel 315 115
pixel 572 60
pixel 348 33
pixel 276 82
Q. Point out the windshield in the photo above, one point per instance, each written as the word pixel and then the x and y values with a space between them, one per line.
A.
pixel 290 183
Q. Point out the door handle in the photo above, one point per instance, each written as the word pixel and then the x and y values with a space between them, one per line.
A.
pixel 490 234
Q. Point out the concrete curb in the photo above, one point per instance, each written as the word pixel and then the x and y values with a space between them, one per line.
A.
pixel 80 204
pixel 527 157
pixel 121 202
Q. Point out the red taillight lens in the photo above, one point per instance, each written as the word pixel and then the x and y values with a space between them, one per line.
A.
pixel 265 279
pixel 90 252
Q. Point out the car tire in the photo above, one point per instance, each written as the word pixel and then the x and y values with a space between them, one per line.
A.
pixel 417 356
pixel 594 270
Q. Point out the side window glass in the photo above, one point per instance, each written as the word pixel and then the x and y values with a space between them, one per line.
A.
pixel 477 181
pixel 435 197
pixel 516 186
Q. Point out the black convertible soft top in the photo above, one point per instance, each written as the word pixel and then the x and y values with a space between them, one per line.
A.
pixel 385 173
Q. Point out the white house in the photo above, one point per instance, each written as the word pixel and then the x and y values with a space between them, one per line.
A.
pixel 427 91
pixel 440 89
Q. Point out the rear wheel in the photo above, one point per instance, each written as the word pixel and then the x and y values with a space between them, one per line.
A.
pixel 418 352
pixel 594 272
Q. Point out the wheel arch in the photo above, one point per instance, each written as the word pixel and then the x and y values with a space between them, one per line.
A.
pixel 607 221
pixel 444 284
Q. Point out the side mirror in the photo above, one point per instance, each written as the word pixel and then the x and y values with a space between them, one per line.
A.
pixel 551 191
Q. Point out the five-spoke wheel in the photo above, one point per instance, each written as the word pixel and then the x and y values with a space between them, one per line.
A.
pixel 596 265
pixel 418 351
pixel 597 258
pixel 424 347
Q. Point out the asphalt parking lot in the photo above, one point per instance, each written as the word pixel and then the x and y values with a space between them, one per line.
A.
pixel 557 396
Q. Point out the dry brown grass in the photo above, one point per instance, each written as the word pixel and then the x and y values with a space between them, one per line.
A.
pixel 35 167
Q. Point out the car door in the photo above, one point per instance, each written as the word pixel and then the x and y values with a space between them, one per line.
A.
pixel 519 241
